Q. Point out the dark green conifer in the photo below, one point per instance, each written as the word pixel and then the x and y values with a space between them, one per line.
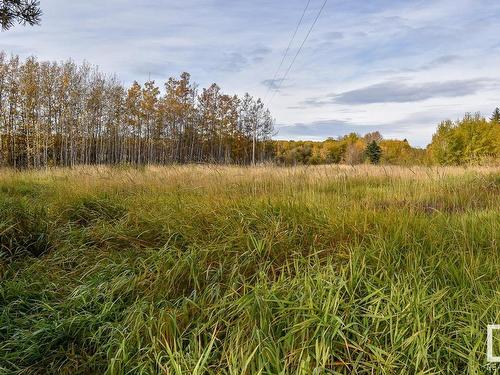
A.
pixel 495 117
pixel 373 152
pixel 25 12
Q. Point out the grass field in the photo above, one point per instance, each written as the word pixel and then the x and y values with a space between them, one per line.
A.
pixel 265 270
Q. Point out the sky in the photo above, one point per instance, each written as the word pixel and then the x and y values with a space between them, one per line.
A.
pixel 396 66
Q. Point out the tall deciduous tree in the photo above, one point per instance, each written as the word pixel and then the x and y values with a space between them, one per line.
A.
pixel 64 115
pixel 470 140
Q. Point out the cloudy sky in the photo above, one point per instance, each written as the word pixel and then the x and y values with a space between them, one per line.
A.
pixel 397 66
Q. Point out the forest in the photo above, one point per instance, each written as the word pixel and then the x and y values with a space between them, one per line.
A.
pixel 64 114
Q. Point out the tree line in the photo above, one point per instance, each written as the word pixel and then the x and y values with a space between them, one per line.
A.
pixel 64 114
pixel 349 149
pixel 473 139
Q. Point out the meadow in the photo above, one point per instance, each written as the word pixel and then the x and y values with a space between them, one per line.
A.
pixel 249 270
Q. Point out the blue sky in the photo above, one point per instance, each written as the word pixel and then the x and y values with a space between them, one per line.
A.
pixel 399 67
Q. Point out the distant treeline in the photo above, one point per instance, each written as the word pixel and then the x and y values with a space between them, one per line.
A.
pixel 471 140
pixel 63 114
pixel 350 149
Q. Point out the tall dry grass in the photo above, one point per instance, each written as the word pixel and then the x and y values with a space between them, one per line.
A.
pixel 209 269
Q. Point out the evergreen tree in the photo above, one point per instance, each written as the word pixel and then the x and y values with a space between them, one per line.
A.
pixel 20 11
pixel 373 152
pixel 495 117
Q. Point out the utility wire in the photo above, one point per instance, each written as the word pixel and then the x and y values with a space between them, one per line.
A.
pixel 287 49
pixel 298 52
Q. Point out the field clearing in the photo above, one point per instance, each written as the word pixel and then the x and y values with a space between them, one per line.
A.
pixel 234 270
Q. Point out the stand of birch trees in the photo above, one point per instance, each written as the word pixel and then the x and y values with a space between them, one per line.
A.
pixel 62 114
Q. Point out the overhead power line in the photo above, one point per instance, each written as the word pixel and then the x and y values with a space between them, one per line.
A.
pixel 287 49
pixel 298 52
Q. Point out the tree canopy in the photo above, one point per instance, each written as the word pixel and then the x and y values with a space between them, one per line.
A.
pixel 471 140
